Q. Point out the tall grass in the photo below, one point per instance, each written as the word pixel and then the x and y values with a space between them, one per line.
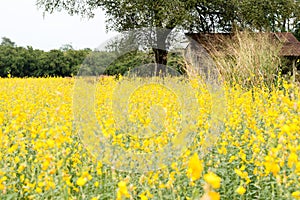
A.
pixel 247 59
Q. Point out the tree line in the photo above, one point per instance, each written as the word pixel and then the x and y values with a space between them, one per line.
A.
pixel 16 61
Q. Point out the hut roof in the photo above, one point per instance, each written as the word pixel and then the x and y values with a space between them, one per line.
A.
pixel 290 44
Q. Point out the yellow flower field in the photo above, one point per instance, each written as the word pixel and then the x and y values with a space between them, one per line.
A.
pixel 254 153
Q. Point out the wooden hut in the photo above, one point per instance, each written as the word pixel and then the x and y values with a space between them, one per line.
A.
pixel 290 46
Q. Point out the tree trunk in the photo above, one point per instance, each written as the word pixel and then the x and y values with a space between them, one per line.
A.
pixel 161 52
pixel 161 59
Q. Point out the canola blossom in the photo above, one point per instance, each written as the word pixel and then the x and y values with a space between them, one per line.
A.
pixel 255 155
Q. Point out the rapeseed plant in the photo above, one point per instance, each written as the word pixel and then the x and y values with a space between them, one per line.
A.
pixel 255 153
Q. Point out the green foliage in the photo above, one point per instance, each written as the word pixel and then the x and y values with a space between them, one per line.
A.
pixel 227 15
pixel 128 61
pixel 7 42
pixel 29 62
pixel 177 62
pixel 296 32
pixel 273 15
pixel 191 15
pixel 212 16
pixel 131 60
pixel 96 62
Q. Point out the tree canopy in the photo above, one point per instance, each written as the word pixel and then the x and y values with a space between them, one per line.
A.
pixel 190 15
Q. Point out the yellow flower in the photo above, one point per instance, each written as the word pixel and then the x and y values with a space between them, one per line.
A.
pixel 214 195
pixel 238 172
pixel 17 159
pixel 45 165
pixel 275 169
pixel 296 194
pixel 297 167
pixel 122 190
pixel 96 184
pixel 87 175
pixel 286 128
pixel 195 167
pixel 21 167
pixel 293 159
pixel 213 180
pixel 81 181
pixel 2 187
pixel 143 197
pixel 271 165
pixel 222 150
pixel 232 158
pixel 38 190
pixel 241 190
pixel 76 189
pixel 211 195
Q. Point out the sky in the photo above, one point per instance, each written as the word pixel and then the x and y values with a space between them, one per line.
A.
pixel 24 24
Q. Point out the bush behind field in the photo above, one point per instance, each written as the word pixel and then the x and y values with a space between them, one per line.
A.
pixel 28 62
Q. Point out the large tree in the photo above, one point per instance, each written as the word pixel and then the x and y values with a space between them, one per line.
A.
pixel 188 15
pixel 125 15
